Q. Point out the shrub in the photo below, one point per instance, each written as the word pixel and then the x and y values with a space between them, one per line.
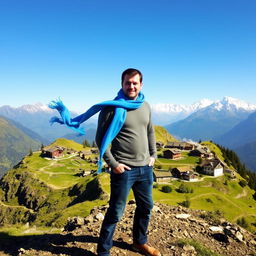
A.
pixel 186 203
pixel 242 222
pixel 242 183
pixel 184 189
pixel 156 185
pixel 213 217
pixel 209 200
pixel 166 189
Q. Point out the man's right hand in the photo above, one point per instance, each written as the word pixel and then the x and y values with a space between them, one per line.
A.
pixel 121 168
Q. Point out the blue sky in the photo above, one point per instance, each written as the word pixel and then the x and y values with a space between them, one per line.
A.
pixel 76 50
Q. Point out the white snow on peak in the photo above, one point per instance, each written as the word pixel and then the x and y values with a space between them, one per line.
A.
pixel 177 108
pixel 227 103
pixel 38 107
pixel 232 104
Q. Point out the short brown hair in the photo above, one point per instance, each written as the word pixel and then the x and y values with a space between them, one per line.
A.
pixel 131 72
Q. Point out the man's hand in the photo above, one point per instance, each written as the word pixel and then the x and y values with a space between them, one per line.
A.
pixel 121 168
pixel 151 161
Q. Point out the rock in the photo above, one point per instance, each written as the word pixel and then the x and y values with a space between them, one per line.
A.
pixel 239 236
pixel 188 248
pixel 156 209
pixel 88 219
pixel 216 229
pixel 182 216
pixel 21 251
pixel 99 216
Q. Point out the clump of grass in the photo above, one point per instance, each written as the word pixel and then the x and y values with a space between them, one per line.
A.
pixel 184 189
pixel 213 217
pixel 166 189
pixel 243 223
pixel 209 200
pixel 200 249
pixel 186 203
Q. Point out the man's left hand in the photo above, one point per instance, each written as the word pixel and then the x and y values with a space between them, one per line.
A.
pixel 151 161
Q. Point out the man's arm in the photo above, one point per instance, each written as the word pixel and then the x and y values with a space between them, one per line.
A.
pixel 151 143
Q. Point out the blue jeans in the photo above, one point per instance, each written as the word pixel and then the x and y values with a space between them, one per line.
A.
pixel 140 179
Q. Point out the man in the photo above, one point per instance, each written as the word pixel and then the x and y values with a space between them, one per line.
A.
pixel 131 158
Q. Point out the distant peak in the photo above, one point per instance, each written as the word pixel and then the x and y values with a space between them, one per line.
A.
pixel 36 107
pixel 230 102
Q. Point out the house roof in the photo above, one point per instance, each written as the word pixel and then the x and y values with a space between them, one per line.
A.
pixel 53 149
pixel 162 174
pixel 183 168
pixel 211 162
pixel 173 151
pixel 179 144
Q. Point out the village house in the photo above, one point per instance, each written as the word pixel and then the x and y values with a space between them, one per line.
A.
pixel 180 145
pixel 83 154
pixel 232 173
pixel 184 173
pixel 95 151
pixel 53 152
pixel 202 152
pixel 162 176
pixel 213 167
pixel 172 154
pixel 159 144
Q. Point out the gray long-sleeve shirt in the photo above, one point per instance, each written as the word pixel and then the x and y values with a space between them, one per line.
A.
pixel 135 143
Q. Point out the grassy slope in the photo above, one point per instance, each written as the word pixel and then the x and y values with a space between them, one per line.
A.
pixel 216 150
pixel 14 144
pixel 53 187
pixel 213 194
pixel 62 142
pixel 163 135
pixel 57 182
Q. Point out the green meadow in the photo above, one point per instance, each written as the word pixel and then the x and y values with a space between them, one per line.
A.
pixel 55 190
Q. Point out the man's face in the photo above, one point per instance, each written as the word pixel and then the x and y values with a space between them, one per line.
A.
pixel 132 86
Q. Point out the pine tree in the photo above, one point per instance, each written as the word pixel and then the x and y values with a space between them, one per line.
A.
pixel 86 143
pixel 94 145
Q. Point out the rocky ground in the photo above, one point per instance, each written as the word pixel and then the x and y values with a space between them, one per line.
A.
pixel 169 230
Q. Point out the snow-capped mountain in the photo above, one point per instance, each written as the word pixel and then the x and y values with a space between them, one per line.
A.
pixel 163 114
pixel 36 117
pixel 38 107
pixel 177 108
pixel 212 121
pixel 232 104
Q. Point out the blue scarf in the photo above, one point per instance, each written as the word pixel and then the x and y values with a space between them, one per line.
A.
pixel 121 104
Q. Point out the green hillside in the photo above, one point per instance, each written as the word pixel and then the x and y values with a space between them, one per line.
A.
pixel 221 194
pixel 215 149
pixel 45 192
pixel 162 135
pixel 62 142
pixel 14 145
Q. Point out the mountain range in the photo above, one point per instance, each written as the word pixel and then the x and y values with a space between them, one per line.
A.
pixel 224 121
pixel 213 120
pixel 229 122
pixel 36 118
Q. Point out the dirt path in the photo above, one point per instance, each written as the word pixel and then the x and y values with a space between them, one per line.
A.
pixel 16 206
pixel 243 194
